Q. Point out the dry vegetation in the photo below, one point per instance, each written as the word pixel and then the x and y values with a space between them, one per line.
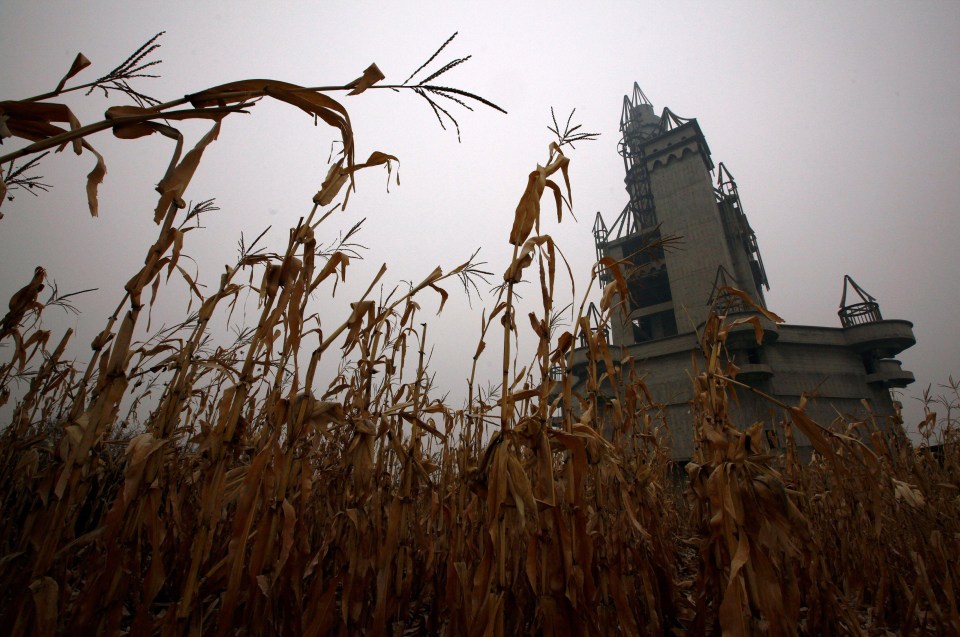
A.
pixel 258 498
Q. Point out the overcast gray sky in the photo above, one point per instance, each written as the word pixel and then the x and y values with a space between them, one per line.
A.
pixel 838 120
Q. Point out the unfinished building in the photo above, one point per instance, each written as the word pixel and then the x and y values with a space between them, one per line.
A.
pixel 675 191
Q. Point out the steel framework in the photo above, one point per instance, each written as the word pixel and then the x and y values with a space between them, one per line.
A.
pixel 726 192
pixel 639 215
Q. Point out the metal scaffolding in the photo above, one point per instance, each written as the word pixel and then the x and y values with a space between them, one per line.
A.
pixel 867 310
pixel 638 124
pixel 726 192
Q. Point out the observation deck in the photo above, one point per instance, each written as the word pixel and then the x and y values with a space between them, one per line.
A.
pixel 889 374
pixel 884 338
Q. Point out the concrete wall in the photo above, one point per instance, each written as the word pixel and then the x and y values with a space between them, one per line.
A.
pixel 686 208
pixel 812 361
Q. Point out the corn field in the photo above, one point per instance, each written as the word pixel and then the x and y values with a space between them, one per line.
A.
pixel 257 497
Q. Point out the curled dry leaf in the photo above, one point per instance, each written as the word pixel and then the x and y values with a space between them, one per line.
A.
pixel 524 257
pixel 22 301
pixel 612 290
pixel 130 130
pixel 45 597
pixel 94 179
pixel 908 493
pixel 314 103
pixel 371 75
pixel 338 176
pixel 335 180
pixel 31 120
pixel 564 342
pixel 133 122
pixel 748 320
pixel 743 296
pixel 171 189
pixel 444 295
pixel 355 322
pixel 615 269
pixel 79 63
pixel 527 216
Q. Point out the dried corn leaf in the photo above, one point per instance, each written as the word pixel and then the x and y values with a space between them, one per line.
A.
pixel 371 75
pixel 414 420
pixel 749 320
pixel 79 63
pixel 131 130
pixel 45 596
pixel 610 291
pixel 171 189
pixel 314 103
pixel 355 322
pixel 908 493
pixel 524 257
pixel 527 215
pixel 289 520
pixel 520 489
pixel 528 209
pixel 734 613
pixel 814 432
pixel 133 122
pixel 140 449
pixel 444 295
pixel 743 296
pixel 336 178
pixel 564 342
pixel 31 120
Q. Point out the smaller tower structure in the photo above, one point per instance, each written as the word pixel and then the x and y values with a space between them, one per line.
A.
pixel 876 340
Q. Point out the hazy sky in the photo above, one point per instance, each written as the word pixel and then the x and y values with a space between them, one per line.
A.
pixel 838 120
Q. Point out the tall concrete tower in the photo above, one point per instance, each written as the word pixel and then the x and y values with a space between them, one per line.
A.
pixel 672 194
pixel 844 371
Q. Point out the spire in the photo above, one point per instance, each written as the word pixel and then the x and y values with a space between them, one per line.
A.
pixel 725 181
pixel 600 235
pixel 631 104
pixel 720 298
pixel 638 96
pixel 670 120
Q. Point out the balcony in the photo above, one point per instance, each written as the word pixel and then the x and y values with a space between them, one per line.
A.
pixel 889 373
pixel 882 339
pixel 751 373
